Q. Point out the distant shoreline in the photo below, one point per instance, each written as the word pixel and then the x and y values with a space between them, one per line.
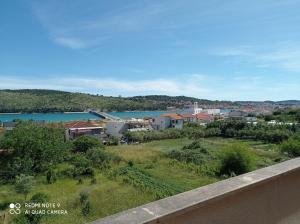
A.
pixel 73 112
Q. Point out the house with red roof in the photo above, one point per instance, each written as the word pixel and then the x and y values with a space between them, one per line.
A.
pixel 188 117
pixel 168 121
pixel 203 118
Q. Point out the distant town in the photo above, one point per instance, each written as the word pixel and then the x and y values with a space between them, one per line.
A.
pixel 105 125
pixel 98 155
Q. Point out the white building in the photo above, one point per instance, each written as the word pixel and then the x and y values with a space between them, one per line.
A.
pixel 212 111
pixel 197 110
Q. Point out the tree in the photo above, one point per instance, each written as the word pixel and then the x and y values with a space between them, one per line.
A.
pixel 291 147
pixel 24 184
pixel 84 143
pixel 82 166
pixel 236 160
pixel 269 117
pixel 298 116
pixel 33 148
pixel 99 157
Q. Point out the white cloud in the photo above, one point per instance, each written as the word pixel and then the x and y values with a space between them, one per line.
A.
pixel 284 55
pixel 188 86
pixel 80 25
pixel 240 87
pixel 70 42
pixel 94 20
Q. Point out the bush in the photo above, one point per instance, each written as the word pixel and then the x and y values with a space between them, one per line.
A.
pixel 82 166
pixel 192 153
pixel 291 147
pixel 4 205
pixel 130 163
pixel 51 176
pixel 99 157
pixel 24 184
pixel 39 198
pixel 86 208
pixel 236 160
pixel 93 180
pixel 84 143
pixel 84 196
pixel 113 140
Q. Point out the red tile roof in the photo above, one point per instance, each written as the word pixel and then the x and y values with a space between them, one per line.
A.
pixel 174 116
pixel 80 124
pixel 203 116
pixel 187 115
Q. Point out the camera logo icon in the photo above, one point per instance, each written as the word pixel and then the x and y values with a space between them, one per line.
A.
pixel 14 208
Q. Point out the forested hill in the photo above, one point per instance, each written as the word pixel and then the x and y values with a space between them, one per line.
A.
pixel 32 100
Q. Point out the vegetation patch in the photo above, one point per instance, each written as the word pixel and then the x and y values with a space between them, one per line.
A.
pixel 236 160
pixel 193 153
pixel 143 181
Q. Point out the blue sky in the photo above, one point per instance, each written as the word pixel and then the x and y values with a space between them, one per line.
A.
pixel 232 50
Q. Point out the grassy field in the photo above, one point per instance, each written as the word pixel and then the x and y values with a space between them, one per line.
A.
pixel 111 194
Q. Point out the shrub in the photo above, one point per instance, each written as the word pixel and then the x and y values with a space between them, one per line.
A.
pixel 82 166
pixel 86 208
pixel 130 163
pixel 192 153
pixel 291 147
pixel 84 143
pixel 84 196
pixel 4 205
pixel 39 197
pixel 93 180
pixel 51 176
pixel 212 132
pixel 24 184
pixel 99 157
pixel 236 160
pixel 113 140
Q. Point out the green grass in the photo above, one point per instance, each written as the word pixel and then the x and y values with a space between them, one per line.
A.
pixel 112 195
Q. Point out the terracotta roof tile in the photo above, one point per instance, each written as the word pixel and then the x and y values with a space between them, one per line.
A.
pixel 174 116
pixel 203 116
pixel 187 115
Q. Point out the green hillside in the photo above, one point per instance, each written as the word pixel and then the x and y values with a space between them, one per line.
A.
pixel 32 100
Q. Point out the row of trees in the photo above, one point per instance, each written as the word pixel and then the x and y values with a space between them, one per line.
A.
pixel 226 129
pixel 284 115
pixel 261 131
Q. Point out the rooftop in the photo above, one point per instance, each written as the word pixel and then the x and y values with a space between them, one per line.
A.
pixel 80 124
pixel 173 116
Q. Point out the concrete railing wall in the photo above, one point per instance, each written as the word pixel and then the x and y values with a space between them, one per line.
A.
pixel 269 195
